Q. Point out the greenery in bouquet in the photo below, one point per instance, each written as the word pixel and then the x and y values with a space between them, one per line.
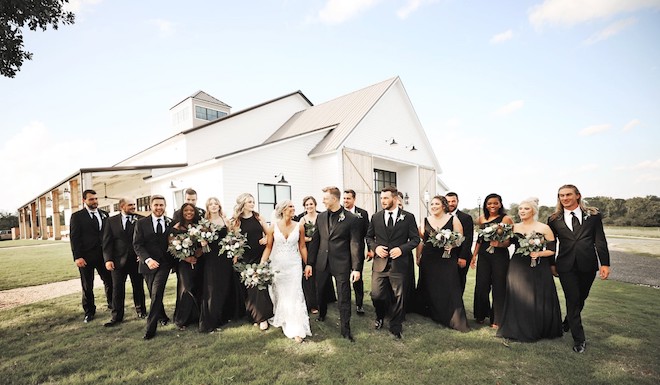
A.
pixel 499 232
pixel 530 243
pixel 259 275
pixel 205 230
pixel 310 228
pixel 181 245
pixel 234 244
pixel 442 238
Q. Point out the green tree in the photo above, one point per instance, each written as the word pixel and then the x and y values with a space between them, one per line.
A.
pixel 18 14
pixel 8 220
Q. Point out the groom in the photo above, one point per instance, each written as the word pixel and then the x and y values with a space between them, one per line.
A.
pixel 582 245
pixel 335 251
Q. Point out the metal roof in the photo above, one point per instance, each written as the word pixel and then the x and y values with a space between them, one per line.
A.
pixel 344 112
pixel 201 95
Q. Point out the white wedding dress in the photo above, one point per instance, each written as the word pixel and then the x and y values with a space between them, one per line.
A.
pixel 289 308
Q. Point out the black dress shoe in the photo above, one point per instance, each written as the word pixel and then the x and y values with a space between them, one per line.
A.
pixel 397 335
pixel 111 323
pixel 148 336
pixel 359 310
pixel 378 324
pixel 320 318
pixel 349 337
pixel 88 318
pixel 164 321
pixel 580 347
pixel 565 326
pixel 141 315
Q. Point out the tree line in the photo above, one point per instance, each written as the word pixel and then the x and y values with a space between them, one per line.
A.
pixel 637 211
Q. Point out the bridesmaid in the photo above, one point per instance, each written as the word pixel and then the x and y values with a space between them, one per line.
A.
pixel 186 311
pixel 531 307
pixel 491 268
pixel 439 286
pixel 217 275
pixel 257 302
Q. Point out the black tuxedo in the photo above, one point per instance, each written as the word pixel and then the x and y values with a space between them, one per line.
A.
pixel 118 249
pixel 465 250
pixel 577 263
pixel 147 244
pixel 390 276
pixel 335 250
pixel 86 243
pixel 363 226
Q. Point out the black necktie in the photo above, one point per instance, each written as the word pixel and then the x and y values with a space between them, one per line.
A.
pixel 576 222
pixel 126 220
pixel 159 227
pixel 96 219
pixel 390 220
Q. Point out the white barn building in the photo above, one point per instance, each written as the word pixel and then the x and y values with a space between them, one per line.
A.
pixel 285 148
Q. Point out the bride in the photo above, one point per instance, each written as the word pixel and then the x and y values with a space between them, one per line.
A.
pixel 285 248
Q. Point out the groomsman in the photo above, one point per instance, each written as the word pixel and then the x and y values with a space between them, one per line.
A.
pixel 465 253
pixel 363 226
pixel 393 235
pixel 334 251
pixel 121 261
pixel 190 196
pixel 86 231
pixel 155 263
pixel 582 245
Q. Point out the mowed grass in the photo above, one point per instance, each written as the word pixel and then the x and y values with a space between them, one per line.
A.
pixel 630 231
pixel 35 263
pixel 634 240
pixel 46 343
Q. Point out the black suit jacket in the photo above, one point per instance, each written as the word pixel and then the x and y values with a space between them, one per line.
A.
pixel 118 243
pixel 404 235
pixel 583 249
pixel 363 226
pixel 468 231
pixel 147 244
pixel 339 248
pixel 85 235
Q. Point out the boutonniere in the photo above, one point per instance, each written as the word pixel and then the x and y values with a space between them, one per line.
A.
pixel 585 215
pixel 401 217
pixel 132 219
pixel 102 215
pixel 168 221
pixel 341 217
pixel 357 214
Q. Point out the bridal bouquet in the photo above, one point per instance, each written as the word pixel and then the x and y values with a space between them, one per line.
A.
pixel 258 275
pixel 530 243
pixel 181 245
pixel 205 230
pixel 310 228
pixel 442 238
pixel 234 244
pixel 499 232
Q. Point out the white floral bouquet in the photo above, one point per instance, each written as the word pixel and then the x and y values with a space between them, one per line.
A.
pixel 310 228
pixel 234 244
pixel 181 245
pixel 205 230
pixel 442 238
pixel 258 275
pixel 499 232
pixel 530 243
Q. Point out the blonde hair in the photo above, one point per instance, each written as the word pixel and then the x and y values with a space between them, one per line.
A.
pixel 533 202
pixel 280 207
pixel 241 201
pixel 582 203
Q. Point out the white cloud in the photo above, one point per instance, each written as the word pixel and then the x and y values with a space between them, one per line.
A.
pixel 570 12
pixel 646 178
pixel 647 164
pixel 631 125
pixel 411 6
pixel 611 30
pixel 165 27
pixel 595 129
pixel 338 11
pixel 44 159
pixel 510 108
pixel 76 6
pixel 501 37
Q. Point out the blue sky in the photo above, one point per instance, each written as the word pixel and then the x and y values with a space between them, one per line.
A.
pixel 505 90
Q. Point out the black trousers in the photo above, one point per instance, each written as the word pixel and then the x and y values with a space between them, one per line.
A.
pixel 576 285
pixel 491 273
pixel 323 279
pixel 87 283
pixel 156 282
pixel 119 291
pixel 388 293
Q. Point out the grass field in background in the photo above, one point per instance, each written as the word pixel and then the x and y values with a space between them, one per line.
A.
pixel 46 343
pixel 621 231
pixel 36 263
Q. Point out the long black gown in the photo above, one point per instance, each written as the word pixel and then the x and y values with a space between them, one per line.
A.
pixel 439 294
pixel 258 304
pixel 491 272
pixel 189 278
pixel 217 304
pixel 531 307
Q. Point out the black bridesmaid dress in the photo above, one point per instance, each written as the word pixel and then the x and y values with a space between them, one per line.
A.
pixel 439 294
pixel 258 304
pixel 188 284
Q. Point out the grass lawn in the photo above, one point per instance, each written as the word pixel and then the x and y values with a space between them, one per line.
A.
pixel 46 343
pixel 35 263
pixel 634 240
pixel 629 231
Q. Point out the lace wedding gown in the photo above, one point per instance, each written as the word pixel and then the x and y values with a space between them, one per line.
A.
pixel 286 291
